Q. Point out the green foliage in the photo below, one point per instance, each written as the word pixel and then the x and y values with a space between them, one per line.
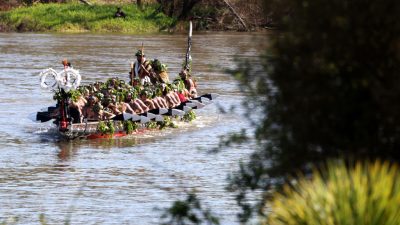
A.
pixel 102 127
pixel 178 84
pixel 130 126
pixel 190 116
pixel 189 211
pixel 367 194
pixel 152 125
pixel 42 219
pixel 57 96
pixel 111 127
pixel 106 127
pixel 327 87
pixel 74 95
pixel 167 122
pixel 75 17
pixel 232 139
pixel 9 221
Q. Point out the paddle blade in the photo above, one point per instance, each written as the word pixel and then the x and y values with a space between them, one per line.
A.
pixel 205 100
pixel 136 117
pixel 214 96
pixel 33 117
pixel 43 117
pixel 127 116
pixel 150 115
pixel 210 96
pixel 159 118
pixel 144 119
pixel 123 117
pixel 187 108
pixel 176 112
pixel 190 104
pixel 198 104
pixel 162 111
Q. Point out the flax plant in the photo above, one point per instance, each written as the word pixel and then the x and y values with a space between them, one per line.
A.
pixel 366 193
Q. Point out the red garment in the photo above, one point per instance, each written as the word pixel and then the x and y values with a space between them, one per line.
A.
pixel 182 97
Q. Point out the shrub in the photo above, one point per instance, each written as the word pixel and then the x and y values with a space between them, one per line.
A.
pixel 368 194
pixel 327 87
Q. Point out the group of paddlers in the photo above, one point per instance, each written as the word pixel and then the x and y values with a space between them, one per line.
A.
pixel 148 88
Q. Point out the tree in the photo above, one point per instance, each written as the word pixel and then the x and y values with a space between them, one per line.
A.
pixel 139 4
pixel 328 87
pixel 187 6
pixel 178 8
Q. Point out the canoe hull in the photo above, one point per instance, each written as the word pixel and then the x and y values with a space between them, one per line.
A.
pixel 90 130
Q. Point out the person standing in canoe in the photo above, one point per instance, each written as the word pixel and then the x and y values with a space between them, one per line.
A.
pixel 190 85
pixel 141 68
pixel 159 72
pixel 66 64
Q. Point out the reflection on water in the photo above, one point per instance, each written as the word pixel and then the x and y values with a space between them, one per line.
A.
pixel 118 181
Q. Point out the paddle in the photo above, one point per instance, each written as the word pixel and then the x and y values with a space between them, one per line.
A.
pixel 148 115
pixel 43 116
pixel 210 96
pixel 194 104
pixel 159 111
pixel 176 112
pixel 133 117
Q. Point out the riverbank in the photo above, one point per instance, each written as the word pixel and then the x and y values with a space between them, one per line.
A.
pixel 75 17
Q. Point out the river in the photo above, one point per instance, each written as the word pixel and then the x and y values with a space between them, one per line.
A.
pixel 120 181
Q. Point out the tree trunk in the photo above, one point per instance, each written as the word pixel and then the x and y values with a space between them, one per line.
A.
pixel 139 4
pixel 171 8
pixel 187 7
pixel 237 15
pixel 167 6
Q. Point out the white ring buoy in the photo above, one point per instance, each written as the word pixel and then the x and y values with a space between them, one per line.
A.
pixel 67 79
pixel 43 75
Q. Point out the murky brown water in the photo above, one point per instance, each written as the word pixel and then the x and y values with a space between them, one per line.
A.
pixel 114 181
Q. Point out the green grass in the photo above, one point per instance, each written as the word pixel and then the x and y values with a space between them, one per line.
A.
pixel 75 17
pixel 368 194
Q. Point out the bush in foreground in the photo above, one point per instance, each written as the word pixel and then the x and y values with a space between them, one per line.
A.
pixel 367 194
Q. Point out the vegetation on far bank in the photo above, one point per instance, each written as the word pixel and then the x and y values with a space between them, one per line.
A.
pixel 75 17
pixel 147 17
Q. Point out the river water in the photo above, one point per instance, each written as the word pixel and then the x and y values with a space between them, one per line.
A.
pixel 120 181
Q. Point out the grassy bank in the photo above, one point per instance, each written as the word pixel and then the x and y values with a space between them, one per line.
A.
pixel 75 17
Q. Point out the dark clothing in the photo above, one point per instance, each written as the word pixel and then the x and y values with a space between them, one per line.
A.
pixel 119 14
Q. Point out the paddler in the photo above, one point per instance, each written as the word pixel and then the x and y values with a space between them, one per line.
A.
pixel 141 68
pixel 190 85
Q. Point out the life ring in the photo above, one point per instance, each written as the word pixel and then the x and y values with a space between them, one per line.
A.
pixel 67 79
pixel 48 79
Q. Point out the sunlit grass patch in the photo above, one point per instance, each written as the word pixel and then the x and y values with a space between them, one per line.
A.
pixel 123 26
pixel 367 194
pixel 78 17
pixel 70 27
